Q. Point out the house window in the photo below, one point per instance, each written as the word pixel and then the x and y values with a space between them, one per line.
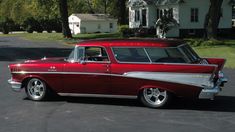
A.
pixel 170 11
pixel 161 13
pixel 110 25
pixel 137 15
pixel 99 26
pixel 144 17
pixel 158 14
pixel 194 14
pixel 233 11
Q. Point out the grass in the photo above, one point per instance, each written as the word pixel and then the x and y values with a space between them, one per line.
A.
pixel 59 37
pixel 222 48
pixel 227 52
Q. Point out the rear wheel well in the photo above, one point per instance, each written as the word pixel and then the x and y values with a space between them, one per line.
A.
pixel 141 90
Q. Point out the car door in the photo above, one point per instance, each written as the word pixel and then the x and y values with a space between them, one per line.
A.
pixel 90 74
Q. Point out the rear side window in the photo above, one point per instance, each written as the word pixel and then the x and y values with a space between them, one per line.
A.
pixel 156 53
pixel 168 55
pixel 130 55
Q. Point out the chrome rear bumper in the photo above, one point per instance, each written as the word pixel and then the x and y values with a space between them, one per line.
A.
pixel 15 86
pixel 210 93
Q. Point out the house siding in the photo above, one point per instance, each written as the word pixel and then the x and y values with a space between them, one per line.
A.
pixel 182 13
pixel 100 26
pixel 80 26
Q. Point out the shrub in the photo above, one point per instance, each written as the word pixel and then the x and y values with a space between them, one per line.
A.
pixel 201 42
pixel 31 24
pixel 6 24
pixel 125 31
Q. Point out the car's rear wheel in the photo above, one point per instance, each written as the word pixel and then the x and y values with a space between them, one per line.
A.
pixel 155 97
pixel 36 89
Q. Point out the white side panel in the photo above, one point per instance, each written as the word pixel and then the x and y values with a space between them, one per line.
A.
pixel 195 79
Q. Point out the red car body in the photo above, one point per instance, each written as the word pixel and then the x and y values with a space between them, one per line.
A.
pixel 118 74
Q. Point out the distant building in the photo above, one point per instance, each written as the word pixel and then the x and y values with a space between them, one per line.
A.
pixel 92 23
pixel 190 14
pixel 233 15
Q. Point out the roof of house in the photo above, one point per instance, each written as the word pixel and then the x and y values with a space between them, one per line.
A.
pixel 94 17
pixel 151 2
pixel 167 2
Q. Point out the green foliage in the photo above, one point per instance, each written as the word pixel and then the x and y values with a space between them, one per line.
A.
pixel 204 43
pixel 124 30
pixel 45 13
pixel 6 24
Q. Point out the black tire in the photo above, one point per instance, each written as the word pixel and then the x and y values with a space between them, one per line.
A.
pixel 155 97
pixel 36 89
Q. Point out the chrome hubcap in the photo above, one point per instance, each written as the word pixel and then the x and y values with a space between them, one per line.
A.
pixel 36 88
pixel 154 96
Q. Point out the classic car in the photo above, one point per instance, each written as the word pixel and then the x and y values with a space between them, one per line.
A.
pixel 151 70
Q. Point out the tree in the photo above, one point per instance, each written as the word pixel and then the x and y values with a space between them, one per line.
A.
pixel 64 18
pixel 212 19
pixel 119 11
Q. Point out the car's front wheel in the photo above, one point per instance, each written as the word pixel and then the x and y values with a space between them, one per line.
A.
pixel 36 89
pixel 155 97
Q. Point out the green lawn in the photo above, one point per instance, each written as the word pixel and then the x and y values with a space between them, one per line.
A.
pixel 227 52
pixel 59 37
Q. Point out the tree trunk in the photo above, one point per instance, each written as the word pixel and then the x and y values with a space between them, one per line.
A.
pixel 212 19
pixel 64 19
pixel 122 14
pixel 105 6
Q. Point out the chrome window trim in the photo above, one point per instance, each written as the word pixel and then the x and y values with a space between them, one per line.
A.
pixel 101 62
pixel 156 62
pixel 148 55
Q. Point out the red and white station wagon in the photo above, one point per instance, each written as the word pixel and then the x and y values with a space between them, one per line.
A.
pixel 152 70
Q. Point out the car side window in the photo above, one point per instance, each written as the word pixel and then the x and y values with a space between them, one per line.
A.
pixel 96 54
pixel 130 54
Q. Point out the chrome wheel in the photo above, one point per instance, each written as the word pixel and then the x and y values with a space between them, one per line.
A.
pixel 36 89
pixel 155 97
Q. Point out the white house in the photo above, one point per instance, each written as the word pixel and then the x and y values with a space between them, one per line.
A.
pixel 92 23
pixel 190 15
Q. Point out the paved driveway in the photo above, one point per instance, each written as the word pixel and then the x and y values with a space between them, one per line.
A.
pixel 70 114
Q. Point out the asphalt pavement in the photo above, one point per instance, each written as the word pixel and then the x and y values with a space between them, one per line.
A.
pixel 84 114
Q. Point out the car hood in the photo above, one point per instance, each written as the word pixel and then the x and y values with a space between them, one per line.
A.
pixel 46 60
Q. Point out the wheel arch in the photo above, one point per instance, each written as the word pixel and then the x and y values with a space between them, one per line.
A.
pixel 28 77
pixel 154 86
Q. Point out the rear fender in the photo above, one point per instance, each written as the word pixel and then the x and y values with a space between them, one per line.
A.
pixel 217 61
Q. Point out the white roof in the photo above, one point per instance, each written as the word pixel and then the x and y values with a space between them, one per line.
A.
pixel 94 17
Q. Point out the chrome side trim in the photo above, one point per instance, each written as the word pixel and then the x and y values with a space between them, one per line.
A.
pixel 98 95
pixel 194 79
pixel 211 93
pixel 15 86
